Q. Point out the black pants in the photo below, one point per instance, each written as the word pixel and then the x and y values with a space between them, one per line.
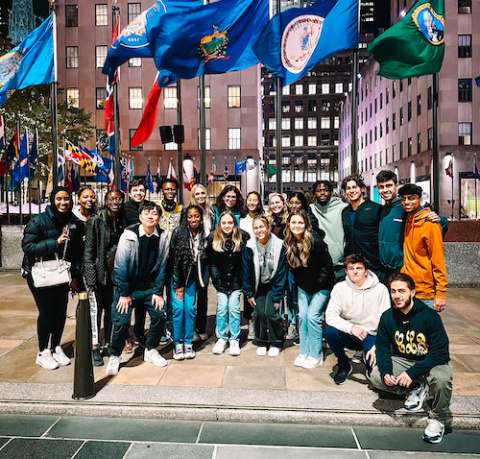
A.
pixel 247 309
pixel 202 305
pixel 52 307
pixel 104 294
pixel 268 321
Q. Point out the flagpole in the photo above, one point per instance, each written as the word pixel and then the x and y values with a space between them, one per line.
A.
pixel 116 124
pixel 355 70
pixel 203 154
pixel 5 181
pixel 53 100
pixel 19 176
pixel 453 202
pixel 29 184
pixel 179 144
pixel 475 174
pixel 435 153
pixel 278 111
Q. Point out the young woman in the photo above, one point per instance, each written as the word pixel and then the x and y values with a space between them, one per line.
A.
pixel 224 253
pixel 254 208
pixel 312 269
pixel 278 214
pixel 187 250
pixel 199 198
pixel 229 199
pixel 298 201
pixel 49 234
pixel 264 278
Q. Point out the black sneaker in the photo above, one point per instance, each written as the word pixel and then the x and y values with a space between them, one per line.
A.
pixel 142 341
pixel 368 368
pixel 105 351
pixel 342 374
pixel 97 358
pixel 296 342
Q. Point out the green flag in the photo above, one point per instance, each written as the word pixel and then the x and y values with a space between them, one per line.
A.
pixel 415 45
pixel 271 171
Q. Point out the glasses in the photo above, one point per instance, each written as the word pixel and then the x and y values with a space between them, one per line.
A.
pixel 115 199
pixel 230 198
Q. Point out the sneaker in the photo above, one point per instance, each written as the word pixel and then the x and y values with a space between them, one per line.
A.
pixel 128 348
pixel 46 360
pixel 153 356
pixel 368 368
pixel 296 342
pixel 311 362
pixel 105 351
pixel 142 341
pixel 97 357
pixel 357 357
pixel 196 337
pixel 163 341
pixel 274 351
pixel 60 357
pixel 113 365
pixel 189 352
pixel 434 431
pixel 300 360
pixel 251 331
pixel 415 399
pixel 219 347
pixel 342 374
pixel 178 352
pixel 261 351
pixel 203 336
pixel 292 332
pixel 234 348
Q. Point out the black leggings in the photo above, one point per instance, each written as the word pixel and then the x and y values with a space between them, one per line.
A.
pixel 52 307
pixel 104 296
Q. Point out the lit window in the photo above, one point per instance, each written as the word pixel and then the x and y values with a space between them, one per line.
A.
pixel 286 90
pixel 234 138
pixel 325 88
pixel 325 123
pixel 464 46
pixel 207 96
pixel 171 146
pixel 285 140
pixel 100 55
pixel 135 62
pixel 73 98
pixel 465 133
pixel 72 57
pixel 336 122
pixel 312 140
pixel 272 124
pixel 170 97
pixel 338 88
pixel 299 140
pixel 298 123
pixel 299 89
pixel 101 15
pixel 101 94
pixel 207 139
pixel 134 10
pixel 312 88
pixel 285 124
pixel 234 100
pixel 312 123
pixel 135 99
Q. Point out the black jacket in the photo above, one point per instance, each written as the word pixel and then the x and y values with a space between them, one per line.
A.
pixel 132 211
pixel 226 267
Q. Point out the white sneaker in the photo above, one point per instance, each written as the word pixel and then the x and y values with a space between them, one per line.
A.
pixel 274 351
pixel 196 337
pixel 434 431
pixel 261 351
pixel 234 348
pixel 60 357
pixel 300 360
pixel 153 356
pixel 178 352
pixel 311 362
pixel 220 346
pixel 203 336
pixel 251 331
pixel 189 351
pixel 113 365
pixel 415 399
pixel 292 332
pixel 357 357
pixel 45 360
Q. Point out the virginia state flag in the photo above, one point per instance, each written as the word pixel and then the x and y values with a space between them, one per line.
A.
pixel 298 39
pixel 215 38
pixel 30 63
pixel 415 45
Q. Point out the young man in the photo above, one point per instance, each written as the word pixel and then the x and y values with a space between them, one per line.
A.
pixel 412 356
pixel 423 249
pixel 328 211
pixel 136 193
pixel 171 211
pixel 353 313
pixel 361 220
pixel 139 280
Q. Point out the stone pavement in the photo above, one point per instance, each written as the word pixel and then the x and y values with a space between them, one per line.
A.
pixel 212 387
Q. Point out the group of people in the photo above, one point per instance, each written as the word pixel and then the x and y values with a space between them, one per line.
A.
pixel 375 273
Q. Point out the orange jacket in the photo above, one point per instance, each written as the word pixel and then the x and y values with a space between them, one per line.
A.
pixel 424 260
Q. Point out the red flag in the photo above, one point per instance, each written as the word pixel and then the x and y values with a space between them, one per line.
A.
pixel 68 180
pixel 147 123
pixel 449 169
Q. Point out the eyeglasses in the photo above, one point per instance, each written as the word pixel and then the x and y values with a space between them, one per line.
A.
pixel 230 198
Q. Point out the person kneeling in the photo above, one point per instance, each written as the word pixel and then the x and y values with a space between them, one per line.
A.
pixel 139 279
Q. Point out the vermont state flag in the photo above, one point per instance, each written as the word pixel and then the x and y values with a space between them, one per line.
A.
pixel 29 63
pixel 215 38
pixel 298 39
pixel 414 46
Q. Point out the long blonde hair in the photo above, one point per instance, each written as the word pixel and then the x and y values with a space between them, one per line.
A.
pixel 285 211
pixel 265 221
pixel 219 237
pixel 207 208
pixel 298 253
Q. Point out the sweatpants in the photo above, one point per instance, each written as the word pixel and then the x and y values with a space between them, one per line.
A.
pixel 267 319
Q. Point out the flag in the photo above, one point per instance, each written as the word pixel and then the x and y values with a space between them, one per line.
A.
pixel 105 171
pixel 75 179
pixel 2 132
pixel 61 166
pixel 33 158
pixel 171 171
pixel 158 176
pixel 12 152
pixel 296 40
pixel 240 166
pixel 475 172
pixel 225 172
pixel 215 38
pixel 187 181
pixel 415 45
pixel 73 153
pixel 449 169
pixel 130 169
pixel 213 170
pixel 20 171
pixel 147 123
pixel 123 176
pixel 30 63
pixel 251 165
pixel 196 175
pixel 149 178
pixel 477 80
pixel 271 171
pixel 68 179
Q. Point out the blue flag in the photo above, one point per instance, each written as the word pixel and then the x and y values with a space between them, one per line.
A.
pixel 215 38
pixel 21 164
pixel 477 80
pixel 30 63
pixel 296 40
pixel 33 158
pixel 240 166
pixel 149 178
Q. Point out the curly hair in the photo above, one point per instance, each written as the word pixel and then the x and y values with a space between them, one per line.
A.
pixel 298 254
pixel 239 205
pixel 220 239
pixel 184 251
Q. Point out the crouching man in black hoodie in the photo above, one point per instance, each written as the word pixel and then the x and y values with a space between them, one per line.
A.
pixel 412 356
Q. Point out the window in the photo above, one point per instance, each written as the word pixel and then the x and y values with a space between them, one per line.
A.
pixel 465 90
pixel 207 139
pixel 312 105
pixel 299 140
pixel 171 146
pixel 394 121
pixel 387 95
pixel 381 130
pixel 464 46
pixel 285 106
pixel 430 138
pixel 73 98
pixel 401 116
pixel 170 98
pixel 381 101
pixel 72 57
pixel 100 94
pixel 312 140
pixel 401 85
pixel 325 105
pixel 419 142
pixel 394 89
pixel 286 90
pixel 285 140
pixel 101 15
pixel 375 133
pixel 312 169
pixel 234 97
pixel 135 99
pixel 272 124
pixel 393 153
pixel 207 97
pixel 285 124
pixel 429 98
pixel 100 55
pixel 135 62
pixel 409 147
pixel 386 156
pixel 134 10
pixel 419 105
pixel 325 88
pixel 298 106
pixel 336 122
pixel 371 112
pixel 338 88
pixel 131 133
pixel 71 15
pixel 409 81
pixel 234 138
pixel 370 137
pixel 465 133
pixel 312 122
pixel 464 6
pixel 325 123
pixel 375 105
pixel 298 123
pixel 387 127
pixel 312 88
pixel 299 89
pixel 401 149
pixel 286 169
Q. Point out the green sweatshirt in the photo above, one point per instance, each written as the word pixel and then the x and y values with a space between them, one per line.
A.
pixel 418 335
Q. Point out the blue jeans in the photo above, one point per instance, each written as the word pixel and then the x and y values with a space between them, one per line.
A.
pixel 339 340
pixel 228 315
pixel 183 314
pixel 310 319
pixel 292 299
pixel 428 303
